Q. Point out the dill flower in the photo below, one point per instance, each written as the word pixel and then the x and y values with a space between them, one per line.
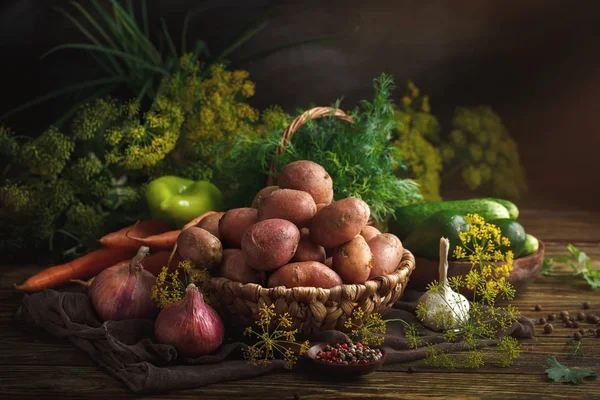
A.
pixel 274 337
pixel 9 148
pixel 484 153
pixel 422 160
pixel 93 116
pixel 83 218
pixel 48 154
pixel 17 199
pixel 170 286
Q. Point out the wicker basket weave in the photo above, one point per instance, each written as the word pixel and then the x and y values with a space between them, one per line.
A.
pixel 313 309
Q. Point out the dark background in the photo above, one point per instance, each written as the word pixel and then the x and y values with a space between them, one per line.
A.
pixel 535 62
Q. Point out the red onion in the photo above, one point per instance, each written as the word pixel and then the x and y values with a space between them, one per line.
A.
pixel 123 291
pixel 190 325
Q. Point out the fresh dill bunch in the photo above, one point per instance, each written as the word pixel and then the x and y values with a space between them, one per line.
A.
pixel 358 157
pixel 481 149
pixel 48 154
pixel 416 130
pixel 274 337
pixel 368 329
pixel 170 286
pixel 480 245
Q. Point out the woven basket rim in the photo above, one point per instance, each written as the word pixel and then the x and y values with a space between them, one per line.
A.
pixel 405 268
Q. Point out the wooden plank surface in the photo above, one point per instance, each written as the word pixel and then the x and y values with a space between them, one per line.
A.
pixel 35 365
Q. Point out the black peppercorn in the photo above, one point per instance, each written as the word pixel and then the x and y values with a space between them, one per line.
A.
pixel 542 321
pixel 586 305
pixel 410 370
pixel 582 331
pixel 537 307
pixel 551 317
pixel 569 323
pixel 572 318
pixel 577 336
pixel 581 316
pixel 590 318
pixel 575 324
pixel 548 328
pixel 564 314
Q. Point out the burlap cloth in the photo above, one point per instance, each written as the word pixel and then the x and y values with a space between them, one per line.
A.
pixel 129 352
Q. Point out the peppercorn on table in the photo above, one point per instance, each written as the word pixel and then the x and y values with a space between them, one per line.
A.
pixel 34 364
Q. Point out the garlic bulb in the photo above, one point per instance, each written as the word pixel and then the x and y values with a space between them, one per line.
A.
pixel 446 309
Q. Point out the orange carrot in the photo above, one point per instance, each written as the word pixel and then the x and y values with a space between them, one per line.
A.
pixel 197 220
pixel 80 268
pixel 153 263
pixel 119 239
pixel 164 241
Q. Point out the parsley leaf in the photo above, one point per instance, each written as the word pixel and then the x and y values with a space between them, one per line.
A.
pixel 559 371
pixel 580 263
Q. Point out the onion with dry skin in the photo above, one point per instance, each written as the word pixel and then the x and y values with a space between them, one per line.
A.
pixel 190 325
pixel 123 291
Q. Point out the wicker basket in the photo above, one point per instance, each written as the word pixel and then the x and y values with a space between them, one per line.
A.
pixel 313 309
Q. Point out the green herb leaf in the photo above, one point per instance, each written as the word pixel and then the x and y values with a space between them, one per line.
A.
pixel 559 371
pixel 546 266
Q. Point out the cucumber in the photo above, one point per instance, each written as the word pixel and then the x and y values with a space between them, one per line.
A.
pixel 407 218
pixel 531 246
pixel 424 241
pixel 514 231
pixel 511 207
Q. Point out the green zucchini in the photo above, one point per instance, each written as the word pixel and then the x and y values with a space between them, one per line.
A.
pixel 407 218
pixel 511 207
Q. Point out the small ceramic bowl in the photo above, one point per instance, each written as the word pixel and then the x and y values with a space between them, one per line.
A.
pixel 525 270
pixel 340 370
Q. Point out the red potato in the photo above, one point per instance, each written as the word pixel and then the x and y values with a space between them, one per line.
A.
pixel 292 205
pixel 235 268
pixel 339 222
pixel 234 223
pixel 262 193
pixel 200 246
pixel 305 274
pixel 309 177
pixel 211 224
pixel 307 250
pixel 269 244
pixel 353 260
pixel 321 206
pixel 387 252
pixel 369 232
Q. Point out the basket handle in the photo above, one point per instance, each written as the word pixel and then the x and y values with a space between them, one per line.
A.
pixel 313 113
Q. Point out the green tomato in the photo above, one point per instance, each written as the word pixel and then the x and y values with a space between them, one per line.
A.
pixel 178 200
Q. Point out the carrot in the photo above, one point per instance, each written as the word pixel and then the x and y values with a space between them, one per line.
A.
pixel 80 268
pixel 163 241
pixel 119 239
pixel 153 263
pixel 197 220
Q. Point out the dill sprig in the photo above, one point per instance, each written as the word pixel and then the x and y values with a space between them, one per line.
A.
pixel 170 286
pixel 358 157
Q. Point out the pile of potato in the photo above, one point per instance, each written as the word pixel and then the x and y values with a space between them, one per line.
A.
pixel 294 235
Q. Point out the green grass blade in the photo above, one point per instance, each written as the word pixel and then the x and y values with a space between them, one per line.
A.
pixel 140 62
pixel 128 23
pixel 276 49
pixel 186 22
pixel 145 19
pixel 117 68
pixel 170 43
pixel 104 15
pixel 62 92
pixel 144 90
pixel 246 34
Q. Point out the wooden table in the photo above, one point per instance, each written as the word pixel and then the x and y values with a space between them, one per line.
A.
pixel 34 365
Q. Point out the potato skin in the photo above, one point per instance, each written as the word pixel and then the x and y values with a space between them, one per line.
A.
pixel 234 223
pixel 262 193
pixel 339 222
pixel 292 205
pixel 321 206
pixel 305 274
pixel 369 232
pixel 387 252
pixel 269 244
pixel 200 246
pixel 211 224
pixel 235 268
pixel 309 177
pixel 353 260
pixel 307 250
